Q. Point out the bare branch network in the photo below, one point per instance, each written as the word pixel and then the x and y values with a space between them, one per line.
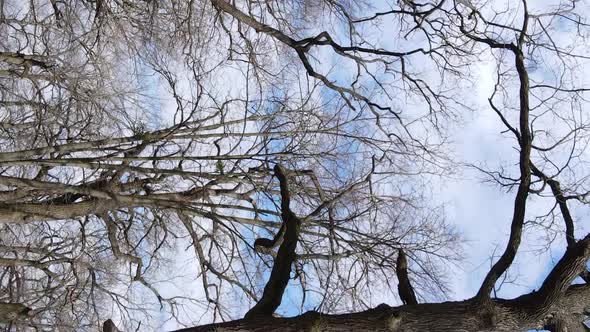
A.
pixel 180 163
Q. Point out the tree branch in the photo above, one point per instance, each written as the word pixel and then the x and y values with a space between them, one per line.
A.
pixel 523 188
pixel 404 287
pixel 461 316
pixel 281 271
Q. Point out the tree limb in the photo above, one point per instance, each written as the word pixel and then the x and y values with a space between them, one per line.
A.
pixel 404 287
pixel 281 271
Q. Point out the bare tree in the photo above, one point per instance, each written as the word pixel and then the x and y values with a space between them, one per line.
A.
pixel 526 102
pixel 275 139
pixel 102 183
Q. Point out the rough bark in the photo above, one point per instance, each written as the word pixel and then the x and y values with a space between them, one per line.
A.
pixel 509 315
pixel 555 300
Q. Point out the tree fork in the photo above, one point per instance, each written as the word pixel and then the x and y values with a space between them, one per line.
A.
pixel 555 298
pixel 281 271
pixel 448 316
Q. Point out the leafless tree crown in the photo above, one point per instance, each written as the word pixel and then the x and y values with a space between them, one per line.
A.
pixel 263 150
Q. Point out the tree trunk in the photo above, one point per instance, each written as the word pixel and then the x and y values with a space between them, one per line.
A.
pixel 499 315
pixel 109 326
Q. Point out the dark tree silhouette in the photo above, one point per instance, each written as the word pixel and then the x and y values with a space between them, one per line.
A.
pixel 404 287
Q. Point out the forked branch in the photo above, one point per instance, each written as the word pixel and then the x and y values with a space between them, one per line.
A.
pixel 281 271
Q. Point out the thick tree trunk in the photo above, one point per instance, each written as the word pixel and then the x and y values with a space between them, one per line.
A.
pixel 500 315
pixel 109 326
